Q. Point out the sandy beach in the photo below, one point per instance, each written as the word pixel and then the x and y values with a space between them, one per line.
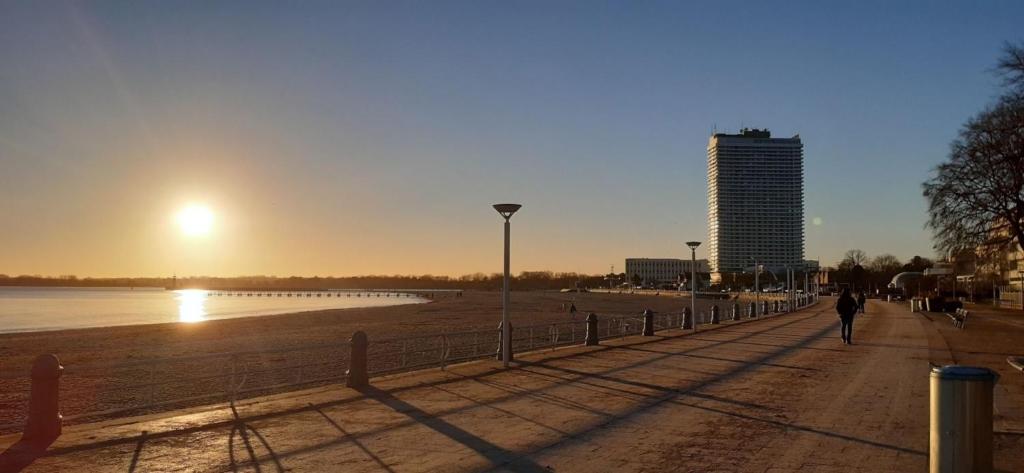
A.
pixel 473 311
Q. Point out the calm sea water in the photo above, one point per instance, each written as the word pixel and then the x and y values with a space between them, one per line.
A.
pixel 30 309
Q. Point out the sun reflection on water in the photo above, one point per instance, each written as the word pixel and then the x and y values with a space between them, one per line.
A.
pixel 191 305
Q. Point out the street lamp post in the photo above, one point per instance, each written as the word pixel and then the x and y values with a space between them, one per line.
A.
pixel 757 290
pixel 506 211
pixel 693 280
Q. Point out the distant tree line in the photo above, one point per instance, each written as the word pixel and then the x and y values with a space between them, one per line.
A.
pixel 527 280
pixel 863 272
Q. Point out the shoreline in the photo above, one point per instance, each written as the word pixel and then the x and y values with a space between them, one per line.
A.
pixel 475 310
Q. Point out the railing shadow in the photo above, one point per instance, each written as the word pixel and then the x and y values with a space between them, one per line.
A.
pixel 243 429
pixel 495 454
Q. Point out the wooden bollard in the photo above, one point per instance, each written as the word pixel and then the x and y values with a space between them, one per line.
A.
pixel 687 318
pixel 715 318
pixel 648 323
pixel 736 312
pixel 592 337
pixel 357 376
pixel 44 418
pixel 752 310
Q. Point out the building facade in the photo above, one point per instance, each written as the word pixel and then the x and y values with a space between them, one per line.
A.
pixel 755 202
pixel 662 270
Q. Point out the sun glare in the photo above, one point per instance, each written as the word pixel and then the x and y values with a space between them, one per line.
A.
pixel 195 220
pixel 191 305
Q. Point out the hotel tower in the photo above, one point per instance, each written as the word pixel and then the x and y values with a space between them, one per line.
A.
pixel 755 202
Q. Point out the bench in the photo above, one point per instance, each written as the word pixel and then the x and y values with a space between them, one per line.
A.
pixel 1017 362
pixel 959 318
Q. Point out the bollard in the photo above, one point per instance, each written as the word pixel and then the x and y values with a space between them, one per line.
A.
pixel 511 352
pixel 648 323
pixel 356 375
pixel 592 338
pixel 687 318
pixel 960 438
pixel 775 306
pixel 764 308
pixel 714 315
pixel 752 310
pixel 735 311
pixel 44 418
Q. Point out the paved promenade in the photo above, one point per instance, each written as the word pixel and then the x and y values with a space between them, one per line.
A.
pixel 775 395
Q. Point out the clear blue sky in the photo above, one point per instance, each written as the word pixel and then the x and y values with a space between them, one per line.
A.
pixel 371 137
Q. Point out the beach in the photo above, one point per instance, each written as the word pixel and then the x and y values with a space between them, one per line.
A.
pixel 134 346
pixel 475 310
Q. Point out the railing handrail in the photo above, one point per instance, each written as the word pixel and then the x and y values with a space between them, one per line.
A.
pixel 86 367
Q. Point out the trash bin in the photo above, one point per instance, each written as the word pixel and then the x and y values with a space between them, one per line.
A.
pixel 960 439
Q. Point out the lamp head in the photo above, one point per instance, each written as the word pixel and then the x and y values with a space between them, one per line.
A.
pixel 693 244
pixel 506 210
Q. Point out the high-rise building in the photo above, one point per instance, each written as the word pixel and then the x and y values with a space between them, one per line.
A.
pixel 662 270
pixel 755 202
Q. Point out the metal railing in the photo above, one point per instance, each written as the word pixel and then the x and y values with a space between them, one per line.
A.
pixel 15 387
pixel 105 390
pixel 93 391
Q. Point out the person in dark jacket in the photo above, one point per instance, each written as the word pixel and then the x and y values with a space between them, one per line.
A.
pixel 847 307
pixel 861 300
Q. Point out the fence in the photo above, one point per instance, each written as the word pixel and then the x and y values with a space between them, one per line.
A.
pixel 95 391
pixel 1009 297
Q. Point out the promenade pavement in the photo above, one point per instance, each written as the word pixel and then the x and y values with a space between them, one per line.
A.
pixel 773 395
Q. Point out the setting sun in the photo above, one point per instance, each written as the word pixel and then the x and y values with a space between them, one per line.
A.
pixel 195 220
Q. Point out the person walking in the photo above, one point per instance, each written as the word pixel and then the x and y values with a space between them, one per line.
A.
pixel 861 300
pixel 846 306
pixel 572 310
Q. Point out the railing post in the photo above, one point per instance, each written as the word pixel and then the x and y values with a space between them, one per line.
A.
pixel 511 351
pixel 233 365
pixel 714 315
pixel 687 318
pixel 592 338
pixel 648 323
pixel 44 418
pixel 357 376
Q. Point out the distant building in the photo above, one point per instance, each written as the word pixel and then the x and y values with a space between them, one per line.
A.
pixel 662 270
pixel 755 202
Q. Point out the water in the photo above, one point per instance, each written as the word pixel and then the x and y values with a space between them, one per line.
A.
pixel 31 309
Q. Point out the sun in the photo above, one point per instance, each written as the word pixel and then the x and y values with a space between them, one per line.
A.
pixel 195 220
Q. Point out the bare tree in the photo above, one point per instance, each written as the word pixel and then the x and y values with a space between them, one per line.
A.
pixel 976 198
pixel 854 257
pixel 885 264
pixel 1011 67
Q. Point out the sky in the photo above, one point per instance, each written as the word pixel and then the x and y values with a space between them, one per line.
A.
pixel 346 138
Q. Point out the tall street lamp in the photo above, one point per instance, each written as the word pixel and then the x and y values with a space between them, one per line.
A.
pixel 693 280
pixel 506 211
pixel 757 290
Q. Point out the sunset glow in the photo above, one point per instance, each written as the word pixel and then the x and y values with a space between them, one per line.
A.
pixel 195 220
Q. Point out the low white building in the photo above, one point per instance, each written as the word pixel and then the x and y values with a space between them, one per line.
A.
pixel 662 270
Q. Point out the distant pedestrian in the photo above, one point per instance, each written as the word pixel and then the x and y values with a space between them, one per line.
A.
pixel 572 310
pixel 861 300
pixel 847 307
